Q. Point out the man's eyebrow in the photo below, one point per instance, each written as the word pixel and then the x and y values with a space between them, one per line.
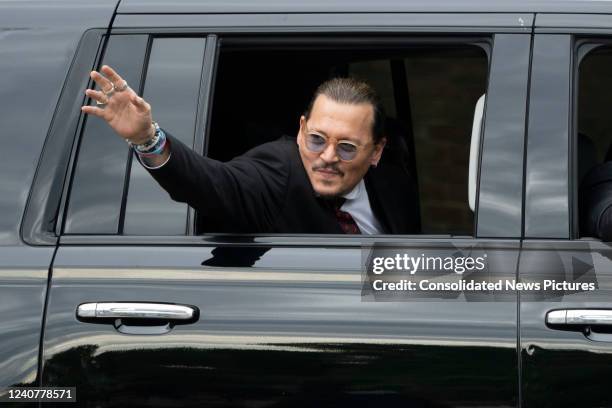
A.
pixel 315 130
pixel 352 139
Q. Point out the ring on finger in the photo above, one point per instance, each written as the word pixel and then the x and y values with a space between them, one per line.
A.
pixel 110 92
pixel 101 104
pixel 122 87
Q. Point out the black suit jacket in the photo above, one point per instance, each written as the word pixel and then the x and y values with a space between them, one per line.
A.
pixel 267 190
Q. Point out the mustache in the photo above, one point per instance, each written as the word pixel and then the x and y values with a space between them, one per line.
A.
pixel 331 167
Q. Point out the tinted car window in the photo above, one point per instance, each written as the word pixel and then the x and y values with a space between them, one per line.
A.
pixel 111 192
pixel 172 88
pixel 593 141
pixel 98 183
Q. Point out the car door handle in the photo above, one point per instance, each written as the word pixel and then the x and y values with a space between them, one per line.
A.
pixel 138 317
pixel 135 310
pixel 591 317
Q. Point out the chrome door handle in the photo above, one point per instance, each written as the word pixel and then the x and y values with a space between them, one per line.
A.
pixel 600 317
pixel 122 310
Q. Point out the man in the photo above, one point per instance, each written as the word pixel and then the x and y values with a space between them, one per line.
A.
pixel 327 182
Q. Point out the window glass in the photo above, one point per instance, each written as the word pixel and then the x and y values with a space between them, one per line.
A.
pixel 107 178
pixel 97 186
pixel 172 87
pixel 594 140
pixel 429 93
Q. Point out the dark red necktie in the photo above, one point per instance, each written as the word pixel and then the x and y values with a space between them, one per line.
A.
pixel 346 221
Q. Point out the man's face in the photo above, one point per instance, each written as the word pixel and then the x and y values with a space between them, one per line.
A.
pixel 330 174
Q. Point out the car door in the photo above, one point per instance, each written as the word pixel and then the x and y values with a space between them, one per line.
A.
pixel 37 47
pixel 565 337
pixel 273 320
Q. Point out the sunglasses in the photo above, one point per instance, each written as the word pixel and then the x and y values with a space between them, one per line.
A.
pixel 345 150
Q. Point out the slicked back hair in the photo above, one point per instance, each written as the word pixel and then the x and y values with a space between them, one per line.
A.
pixel 354 92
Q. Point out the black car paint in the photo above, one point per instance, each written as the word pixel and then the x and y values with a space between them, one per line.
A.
pixel 37 47
pixel 574 363
pixel 289 303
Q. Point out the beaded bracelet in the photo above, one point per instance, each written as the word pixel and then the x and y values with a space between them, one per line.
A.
pixel 145 146
pixel 154 146
pixel 157 148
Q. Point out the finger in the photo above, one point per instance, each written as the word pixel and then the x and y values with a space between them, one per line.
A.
pixel 92 110
pixel 112 75
pixel 103 83
pixel 97 95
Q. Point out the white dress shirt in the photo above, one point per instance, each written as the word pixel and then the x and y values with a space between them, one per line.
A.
pixel 358 205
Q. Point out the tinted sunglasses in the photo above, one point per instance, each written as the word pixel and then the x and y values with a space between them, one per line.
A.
pixel 345 150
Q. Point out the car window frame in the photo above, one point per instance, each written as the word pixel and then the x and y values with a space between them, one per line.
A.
pixel 581 28
pixel 454 27
pixel 202 138
pixel 480 41
pixel 582 47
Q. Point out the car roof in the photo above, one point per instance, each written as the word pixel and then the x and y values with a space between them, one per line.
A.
pixel 365 6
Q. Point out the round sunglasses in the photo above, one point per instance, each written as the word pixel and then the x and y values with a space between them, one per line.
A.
pixel 345 150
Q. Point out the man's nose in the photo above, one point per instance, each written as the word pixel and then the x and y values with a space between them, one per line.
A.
pixel 329 154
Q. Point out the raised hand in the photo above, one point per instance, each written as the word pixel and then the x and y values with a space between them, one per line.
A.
pixel 126 113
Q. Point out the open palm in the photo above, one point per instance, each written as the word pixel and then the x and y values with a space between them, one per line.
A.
pixel 127 114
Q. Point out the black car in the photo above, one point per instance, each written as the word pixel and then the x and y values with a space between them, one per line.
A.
pixel 502 109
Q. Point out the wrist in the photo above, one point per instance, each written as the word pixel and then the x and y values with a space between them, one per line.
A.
pixel 153 147
pixel 152 130
pixel 146 138
pixel 145 141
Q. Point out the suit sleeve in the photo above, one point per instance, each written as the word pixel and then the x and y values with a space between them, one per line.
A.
pixel 247 192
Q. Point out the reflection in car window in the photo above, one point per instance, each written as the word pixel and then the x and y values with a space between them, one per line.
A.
pixel 97 187
pixel 172 88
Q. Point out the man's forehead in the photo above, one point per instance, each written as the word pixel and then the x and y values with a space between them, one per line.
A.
pixel 330 116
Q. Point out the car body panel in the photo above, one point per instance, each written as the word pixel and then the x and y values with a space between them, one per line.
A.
pixel 54 31
pixel 364 6
pixel 573 362
pixel 38 41
pixel 331 22
pixel 561 366
pixel 290 330
pixel 282 318
pixel 22 299
pixel 546 191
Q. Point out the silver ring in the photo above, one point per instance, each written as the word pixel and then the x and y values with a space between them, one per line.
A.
pixel 121 88
pixel 101 104
pixel 110 92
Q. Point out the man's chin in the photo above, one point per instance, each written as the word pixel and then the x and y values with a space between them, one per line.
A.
pixel 326 192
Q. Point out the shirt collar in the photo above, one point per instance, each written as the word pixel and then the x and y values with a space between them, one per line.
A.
pixel 355 192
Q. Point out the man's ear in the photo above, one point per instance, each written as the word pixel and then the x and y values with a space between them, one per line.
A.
pixel 378 151
pixel 300 132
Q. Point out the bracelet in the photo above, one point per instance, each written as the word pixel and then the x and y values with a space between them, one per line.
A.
pixel 143 147
pixel 152 147
pixel 156 149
